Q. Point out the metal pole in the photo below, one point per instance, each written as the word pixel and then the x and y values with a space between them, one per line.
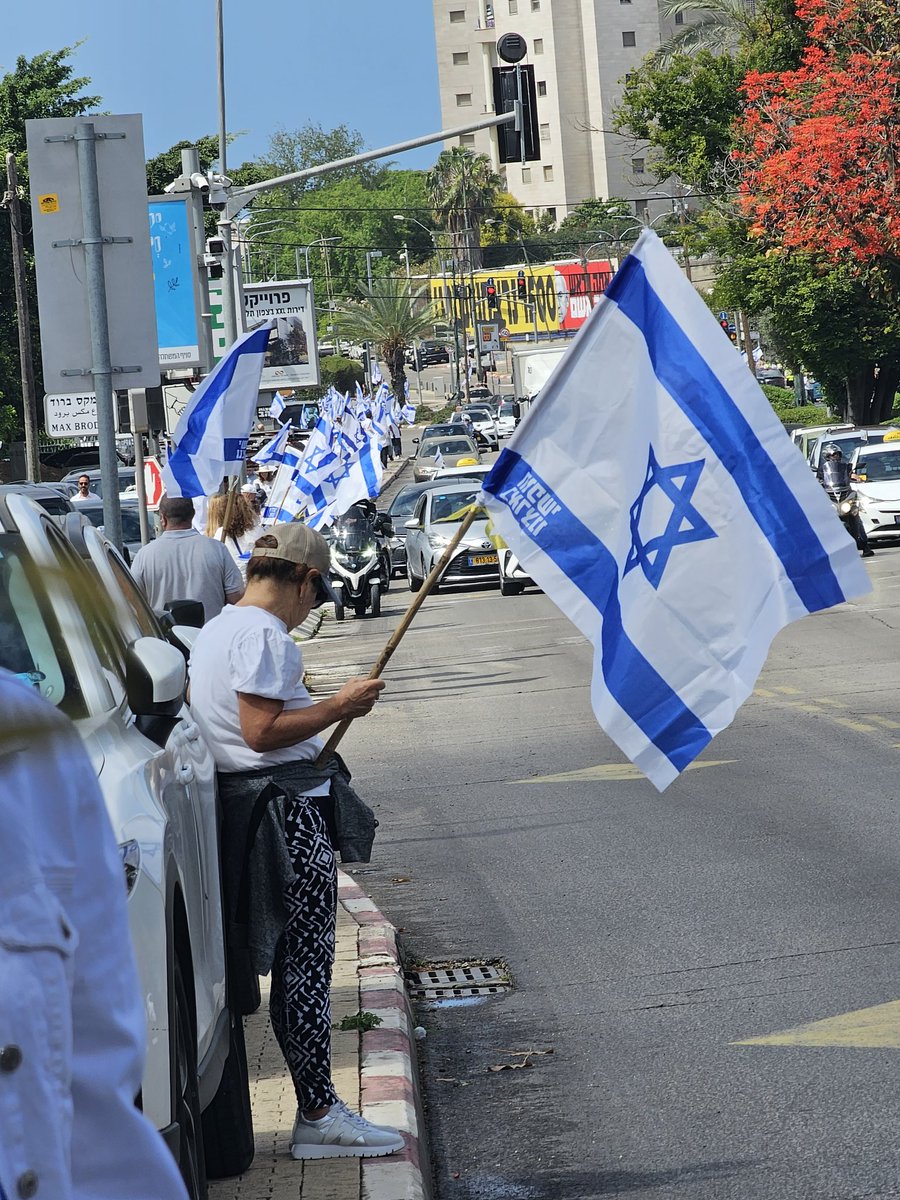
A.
pixel 190 164
pixel 26 360
pixel 220 76
pixel 229 311
pixel 140 483
pixel 748 345
pixel 101 366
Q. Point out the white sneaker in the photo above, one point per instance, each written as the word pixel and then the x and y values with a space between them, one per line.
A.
pixel 342 1133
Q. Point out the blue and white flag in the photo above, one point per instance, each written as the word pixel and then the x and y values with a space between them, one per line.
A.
pixel 273 450
pixel 277 406
pixel 656 498
pixel 212 432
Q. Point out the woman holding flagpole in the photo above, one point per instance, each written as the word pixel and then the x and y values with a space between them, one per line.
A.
pixel 249 699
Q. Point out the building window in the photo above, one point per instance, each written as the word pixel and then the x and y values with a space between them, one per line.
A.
pixel 460 58
pixel 457 16
pixel 624 1
pixel 679 18
pixel 642 211
pixel 513 7
pixel 535 5
pixel 637 166
pixel 526 174
pixel 551 213
pixel 539 45
pixel 542 87
pixel 467 139
pixel 628 38
pixel 548 174
pixel 545 133
pixel 463 99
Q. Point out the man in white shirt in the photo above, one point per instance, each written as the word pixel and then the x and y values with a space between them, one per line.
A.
pixel 72 1031
pixel 84 492
pixel 184 564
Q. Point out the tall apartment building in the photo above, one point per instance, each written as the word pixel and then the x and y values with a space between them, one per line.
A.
pixel 581 51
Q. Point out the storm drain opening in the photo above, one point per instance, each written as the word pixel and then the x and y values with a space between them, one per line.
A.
pixel 444 983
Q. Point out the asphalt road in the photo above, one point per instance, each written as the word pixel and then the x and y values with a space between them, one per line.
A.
pixel 648 935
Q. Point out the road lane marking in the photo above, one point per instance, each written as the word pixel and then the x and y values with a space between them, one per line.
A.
pixel 864 1028
pixel 613 772
pixel 859 726
pixel 789 691
pixel 885 721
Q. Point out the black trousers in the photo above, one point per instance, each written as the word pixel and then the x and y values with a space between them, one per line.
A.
pixel 300 1002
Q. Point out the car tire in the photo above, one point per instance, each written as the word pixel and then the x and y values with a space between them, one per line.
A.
pixel 509 587
pixel 415 583
pixel 359 607
pixel 228 1122
pixel 339 612
pixel 186 1089
pixel 375 599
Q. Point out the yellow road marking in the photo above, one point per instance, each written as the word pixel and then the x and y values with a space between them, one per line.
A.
pixel 789 691
pixel 859 726
pixel 613 772
pixel 831 703
pixel 885 721
pixel 763 692
pixel 866 1028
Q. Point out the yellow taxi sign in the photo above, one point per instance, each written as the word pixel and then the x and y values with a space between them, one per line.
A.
pixel 893 435
pixel 48 203
pixel 467 462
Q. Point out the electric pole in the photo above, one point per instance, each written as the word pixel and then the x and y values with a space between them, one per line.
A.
pixel 26 362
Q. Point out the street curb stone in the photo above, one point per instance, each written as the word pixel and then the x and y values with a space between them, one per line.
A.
pixel 389 1080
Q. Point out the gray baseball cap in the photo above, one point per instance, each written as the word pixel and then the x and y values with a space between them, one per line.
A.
pixel 297 543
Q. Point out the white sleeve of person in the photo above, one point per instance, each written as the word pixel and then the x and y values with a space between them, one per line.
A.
pixel 264 662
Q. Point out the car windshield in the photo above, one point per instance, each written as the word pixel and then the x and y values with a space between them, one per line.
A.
pixel 507 410
pixel 353 532
pixel 479 414
pixel 849 444
pixel 438 430
pixel 452 506
pixel 131 522
pixel 126 481
pixel 56 506
pixel 404 502
pixel 880 468
pixel 31 644
pixel 446 446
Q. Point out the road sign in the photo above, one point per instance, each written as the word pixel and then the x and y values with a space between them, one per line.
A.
pixel 724 316
pixel 58 226
pixel 489 335
pixel 176 281
pixel 70 415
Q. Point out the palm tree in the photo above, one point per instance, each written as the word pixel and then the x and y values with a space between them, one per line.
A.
pixel 461 186
pixel 720 26
pixel 391 317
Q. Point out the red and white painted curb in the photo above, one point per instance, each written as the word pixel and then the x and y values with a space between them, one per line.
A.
pixel 389 1081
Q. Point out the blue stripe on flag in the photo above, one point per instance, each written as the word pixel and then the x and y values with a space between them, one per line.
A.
pixel 685 374
pixel 368 469
pixel 633 682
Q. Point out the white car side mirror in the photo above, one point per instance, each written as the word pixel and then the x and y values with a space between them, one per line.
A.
pixel 413 524
pixel 155 678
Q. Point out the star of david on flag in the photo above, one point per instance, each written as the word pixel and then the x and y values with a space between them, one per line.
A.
pixel 656 498
pixel 684 524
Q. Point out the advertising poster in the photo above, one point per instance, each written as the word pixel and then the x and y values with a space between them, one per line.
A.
pixel 174 287
pixel 292 360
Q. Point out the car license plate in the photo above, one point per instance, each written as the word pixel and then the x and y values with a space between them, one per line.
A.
pixel 482 560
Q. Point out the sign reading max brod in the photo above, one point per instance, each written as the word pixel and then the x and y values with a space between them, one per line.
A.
pixel 292 359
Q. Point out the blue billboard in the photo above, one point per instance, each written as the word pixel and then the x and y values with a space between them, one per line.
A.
pixel 174 282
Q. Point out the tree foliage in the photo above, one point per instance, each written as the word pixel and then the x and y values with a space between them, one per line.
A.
pixel 390 316
pixel 463 187
pixel 312 146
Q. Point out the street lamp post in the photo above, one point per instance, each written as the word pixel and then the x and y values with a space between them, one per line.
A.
pixel 370 254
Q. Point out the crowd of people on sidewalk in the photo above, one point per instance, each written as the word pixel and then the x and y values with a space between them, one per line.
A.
pixel 70 1062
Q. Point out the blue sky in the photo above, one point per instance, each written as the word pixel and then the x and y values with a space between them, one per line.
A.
pixel 369 64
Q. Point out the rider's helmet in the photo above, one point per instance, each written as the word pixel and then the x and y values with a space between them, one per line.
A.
pixel 832 451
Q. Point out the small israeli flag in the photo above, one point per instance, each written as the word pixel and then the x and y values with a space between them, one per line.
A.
pixel 439 460
pixel 277 406
pixel 655 496
pixel 274 449
pixel 212 432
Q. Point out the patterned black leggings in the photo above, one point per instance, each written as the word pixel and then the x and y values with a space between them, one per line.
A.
pixel 300 1003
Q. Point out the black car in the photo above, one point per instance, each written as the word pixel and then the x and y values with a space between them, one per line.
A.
pixel 400 510
pixel 429 354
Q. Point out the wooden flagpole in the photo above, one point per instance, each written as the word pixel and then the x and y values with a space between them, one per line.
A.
pixel 397 636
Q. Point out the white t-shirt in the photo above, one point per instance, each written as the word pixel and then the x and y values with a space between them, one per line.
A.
pixel 247 649
pixel 239 547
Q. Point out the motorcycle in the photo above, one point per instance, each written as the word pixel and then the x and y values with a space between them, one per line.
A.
pixel 836 482
pixel 360 561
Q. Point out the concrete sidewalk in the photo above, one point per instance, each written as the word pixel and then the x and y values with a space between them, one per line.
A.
pixel 374 1072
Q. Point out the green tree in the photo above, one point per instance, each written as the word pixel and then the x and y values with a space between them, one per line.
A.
pixel 43 86
pixel 341 373
pixel 719 26
pixel 463 187
pixel 391 316
pixel 312 146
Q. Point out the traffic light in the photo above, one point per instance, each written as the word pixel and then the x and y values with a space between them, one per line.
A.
pixel 212 259
pixel 460 291
pixel 521 286
pixel 515 85
pixel 491 292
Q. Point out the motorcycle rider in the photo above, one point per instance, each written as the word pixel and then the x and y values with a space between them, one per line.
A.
pixel 836 477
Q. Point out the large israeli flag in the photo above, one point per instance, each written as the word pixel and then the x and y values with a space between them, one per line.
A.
pixel 655 496
pixel 212 432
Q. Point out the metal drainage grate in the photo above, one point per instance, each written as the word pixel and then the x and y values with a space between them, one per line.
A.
pixel 457 982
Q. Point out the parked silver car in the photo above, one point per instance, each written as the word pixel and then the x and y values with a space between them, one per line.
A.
pixel 437 516
pixel 74 624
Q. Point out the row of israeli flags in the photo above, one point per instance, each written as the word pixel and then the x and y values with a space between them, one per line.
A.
pixel 339 465
pixel 651 492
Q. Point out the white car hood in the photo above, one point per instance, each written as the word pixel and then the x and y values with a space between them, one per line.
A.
pixel 880 492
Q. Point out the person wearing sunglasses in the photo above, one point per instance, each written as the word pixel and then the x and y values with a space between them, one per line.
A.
pixel 250 701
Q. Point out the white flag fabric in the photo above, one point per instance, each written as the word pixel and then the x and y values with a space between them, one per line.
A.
pixel 657 499
pixel 277 407
pixel 212 432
